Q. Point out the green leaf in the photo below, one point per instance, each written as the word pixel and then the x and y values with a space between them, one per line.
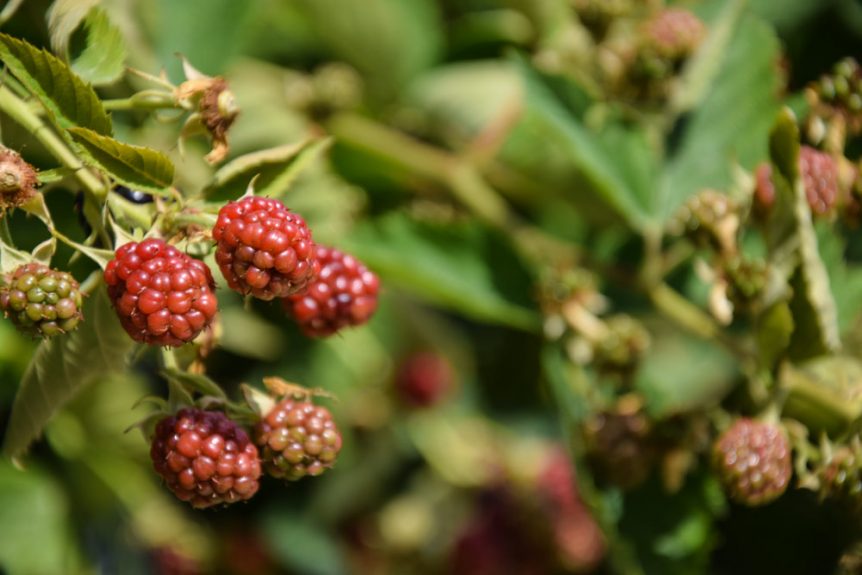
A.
pixel 103 60
pixel 275 168
pixel 845 278
pixel 596 161
pixel 462 266
pixel 773 331
pixel 64 17
pixel 303 546
pixel 732 122
pixel 73 102
pixel 137 167
pixel 702 69
pixel 195 382
pixel 34 531
pixel 62 366
pixel 682 373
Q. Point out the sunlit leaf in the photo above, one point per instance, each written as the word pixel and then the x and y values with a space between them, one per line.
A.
pixel 137 167
pixel 103 59
pixel 73 102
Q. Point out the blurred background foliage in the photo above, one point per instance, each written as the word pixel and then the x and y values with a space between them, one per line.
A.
pixel 452 126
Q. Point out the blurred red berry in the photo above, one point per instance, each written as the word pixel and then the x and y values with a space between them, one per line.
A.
pixel 423 379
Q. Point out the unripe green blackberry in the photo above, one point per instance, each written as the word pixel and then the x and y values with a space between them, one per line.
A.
pixel 746 281
pixel 40 301
pixel 752 460
pixel 598 15
pixel 623 346
pixel 297 438
pixel 709 219
pixel 841 475
pixel 839 93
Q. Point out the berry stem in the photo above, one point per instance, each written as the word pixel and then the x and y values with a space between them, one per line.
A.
pixel 145 100
pixel 21 113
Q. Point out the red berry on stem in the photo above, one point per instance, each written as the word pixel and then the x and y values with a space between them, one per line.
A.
pixel 423 379
pixel 161 295
pixel 344 294
pixel 205 458
pixel 752 460
pixel 264 249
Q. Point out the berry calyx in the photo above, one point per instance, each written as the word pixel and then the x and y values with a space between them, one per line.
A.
pixel 18 179
pixel 752 460
pixel 264 249
pixel 161 295
pixel 344 294
pixel 297 438
pixel 40 301
pixel 205 458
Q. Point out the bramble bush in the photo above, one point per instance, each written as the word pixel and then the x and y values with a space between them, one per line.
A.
pixel 424 286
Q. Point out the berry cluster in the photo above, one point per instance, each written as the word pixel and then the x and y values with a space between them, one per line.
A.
pixel 41 301
pixel 752 460
pixel 819 174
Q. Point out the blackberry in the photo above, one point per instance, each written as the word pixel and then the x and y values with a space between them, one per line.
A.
pixel 161 295
pixel 752 460
pixel 344 294
pixel 40 301
pixel 297 438
pixel 263 249
pixel 205 458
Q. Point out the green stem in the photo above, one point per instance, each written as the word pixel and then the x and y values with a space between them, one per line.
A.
pixel 18 110
pixel 143 101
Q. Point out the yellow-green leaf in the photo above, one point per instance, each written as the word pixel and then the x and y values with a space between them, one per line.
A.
pixel 134 166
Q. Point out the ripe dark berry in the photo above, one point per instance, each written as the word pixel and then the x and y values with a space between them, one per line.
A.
pixel 423 379
pixel 263 249
pixel 161 295
pixel 40 301
pixel 297 438
pixel 820 177
pixel 205 458
pixel 344 294
pixel 18 179
pixel 752 460
pixel 134 196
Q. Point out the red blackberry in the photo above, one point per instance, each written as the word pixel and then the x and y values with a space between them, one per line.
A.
pixel 674 33
pixel 764 190
pixel 820 177
pixel 423 379
pixel 40 301
pixel 752 460
pixel 263 249
pixel 297 438
pixel 161 295
pixel 205 458
pixel 344 294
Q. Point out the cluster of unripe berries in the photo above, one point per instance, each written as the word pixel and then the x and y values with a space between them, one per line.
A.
pixel 165 297
pixel 207 459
